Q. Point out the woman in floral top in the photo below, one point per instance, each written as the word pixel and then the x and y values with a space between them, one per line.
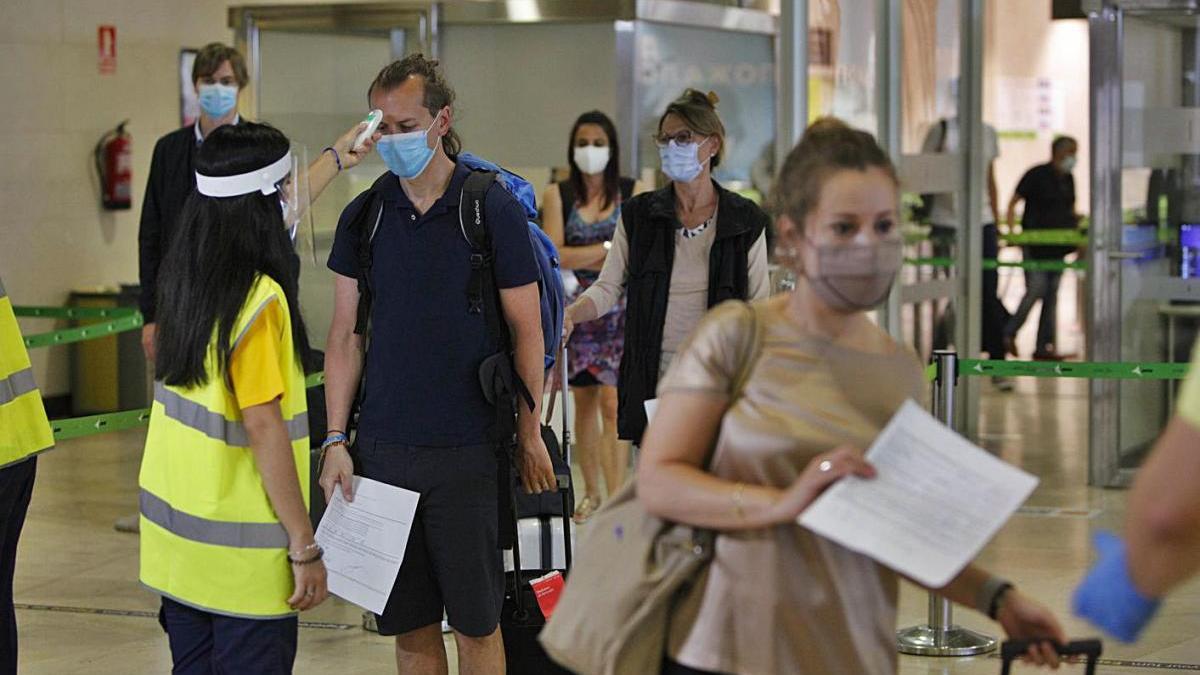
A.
pixel 581 215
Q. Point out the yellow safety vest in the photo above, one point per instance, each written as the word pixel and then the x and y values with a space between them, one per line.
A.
pixel 24 429
pixel 209 537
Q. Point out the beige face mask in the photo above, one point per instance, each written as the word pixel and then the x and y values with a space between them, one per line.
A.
pixel 854 277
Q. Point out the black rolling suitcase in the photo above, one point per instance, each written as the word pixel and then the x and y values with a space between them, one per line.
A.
pixel 521 618
pixel 1012 650
pixel 317 425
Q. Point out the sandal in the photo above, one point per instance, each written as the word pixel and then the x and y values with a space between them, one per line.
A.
pixel 585 508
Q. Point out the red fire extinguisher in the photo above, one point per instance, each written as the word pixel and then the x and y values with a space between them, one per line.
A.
pixel 114 164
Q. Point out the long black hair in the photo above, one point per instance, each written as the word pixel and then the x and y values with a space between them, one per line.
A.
pixel 221 246
pixel 612 172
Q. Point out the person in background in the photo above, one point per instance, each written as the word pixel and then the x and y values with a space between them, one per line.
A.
pixel 678 252
pixel 24 433
pixel 1161 545
pixel 778 598
pixel 225 533
pixel 581 215
pixel 1048 191
pixel 219 75
pixel 944 215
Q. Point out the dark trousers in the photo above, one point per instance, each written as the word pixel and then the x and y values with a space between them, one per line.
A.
pixel 993 314
pixel 16 488
pixel 1041 286
pixel 203 643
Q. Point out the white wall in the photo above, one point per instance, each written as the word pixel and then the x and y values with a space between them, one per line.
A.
pixel 54 236
pixel 520 87
pixel 55 106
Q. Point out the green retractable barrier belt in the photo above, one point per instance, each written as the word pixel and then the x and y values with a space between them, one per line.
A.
pixel 82 333
pixel 121 319
pixel 75 427
pixel 1091 371
pixel 74 312
pixel 991 264
pixel 1061 237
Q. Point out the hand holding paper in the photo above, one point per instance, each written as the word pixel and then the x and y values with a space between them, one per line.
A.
pixel 936 500
pixel 365 540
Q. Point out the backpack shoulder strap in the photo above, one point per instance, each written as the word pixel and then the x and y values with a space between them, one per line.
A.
pixel 566 195
pixel 472 219
pixel 364 224
pixel 626 187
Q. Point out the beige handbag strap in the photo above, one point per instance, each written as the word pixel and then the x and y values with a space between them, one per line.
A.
pixel 750 352
pixel 751 349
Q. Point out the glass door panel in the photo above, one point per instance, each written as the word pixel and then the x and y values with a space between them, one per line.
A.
pixel 1153 244
pixel 931 169
pixel 313 86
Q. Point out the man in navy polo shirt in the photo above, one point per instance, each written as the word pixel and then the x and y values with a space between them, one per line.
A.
pixel 425 424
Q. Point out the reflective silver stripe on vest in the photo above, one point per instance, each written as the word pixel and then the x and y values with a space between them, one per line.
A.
pixel 250 324
pixel 195 416
pixel 216 532
pixel 17 384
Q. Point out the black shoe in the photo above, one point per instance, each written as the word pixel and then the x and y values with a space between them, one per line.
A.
pixel 1010 346
pixel 1049 353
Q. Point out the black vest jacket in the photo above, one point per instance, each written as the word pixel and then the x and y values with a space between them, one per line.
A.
pixel 650 225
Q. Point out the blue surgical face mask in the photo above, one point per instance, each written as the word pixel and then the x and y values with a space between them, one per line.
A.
pixel 681 163
pixel 217 100
pixel 407 155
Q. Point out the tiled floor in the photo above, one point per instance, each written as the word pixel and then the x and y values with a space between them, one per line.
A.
pixel 83 611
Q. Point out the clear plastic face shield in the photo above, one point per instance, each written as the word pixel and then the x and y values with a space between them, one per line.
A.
pixel 286 179
pixel 296 204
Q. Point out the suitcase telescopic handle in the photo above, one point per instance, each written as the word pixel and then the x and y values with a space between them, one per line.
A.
pixel 1014 649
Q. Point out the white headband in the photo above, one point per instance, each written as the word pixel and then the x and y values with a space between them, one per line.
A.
pixel 261 180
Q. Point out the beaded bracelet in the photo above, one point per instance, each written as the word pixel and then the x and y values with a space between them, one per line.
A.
pixel 336 157
pixel 334 439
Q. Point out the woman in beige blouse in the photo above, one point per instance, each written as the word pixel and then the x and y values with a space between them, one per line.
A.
pixel 676 252
pixel 777 598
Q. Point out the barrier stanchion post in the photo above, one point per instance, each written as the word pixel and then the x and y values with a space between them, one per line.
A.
pixel 939 636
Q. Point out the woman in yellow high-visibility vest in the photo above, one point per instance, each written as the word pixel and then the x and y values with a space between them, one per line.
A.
pixel 225 534
pixel 24 432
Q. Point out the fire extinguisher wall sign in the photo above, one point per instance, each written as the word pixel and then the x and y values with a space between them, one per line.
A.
pixel 106 46
pixel 114 164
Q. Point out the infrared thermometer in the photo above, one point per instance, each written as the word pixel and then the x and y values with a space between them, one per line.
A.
pixel 373 119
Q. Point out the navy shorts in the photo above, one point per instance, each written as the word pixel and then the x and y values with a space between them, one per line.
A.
pixel 203 643
pixel 453 561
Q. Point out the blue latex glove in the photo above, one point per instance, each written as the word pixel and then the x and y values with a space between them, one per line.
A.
pixel 1107 596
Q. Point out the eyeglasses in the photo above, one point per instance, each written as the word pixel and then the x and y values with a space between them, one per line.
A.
pixel 683 137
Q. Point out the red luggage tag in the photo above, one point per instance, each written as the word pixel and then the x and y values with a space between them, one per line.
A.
pixel 547 590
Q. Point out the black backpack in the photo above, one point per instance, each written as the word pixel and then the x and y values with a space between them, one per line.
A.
pixel 497 374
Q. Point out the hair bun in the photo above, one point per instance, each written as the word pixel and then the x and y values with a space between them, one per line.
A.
pixel 712 98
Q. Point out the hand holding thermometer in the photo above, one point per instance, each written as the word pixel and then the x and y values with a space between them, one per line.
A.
pixel 372 121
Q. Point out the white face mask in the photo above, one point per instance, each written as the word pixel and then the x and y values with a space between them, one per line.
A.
pixel 592 159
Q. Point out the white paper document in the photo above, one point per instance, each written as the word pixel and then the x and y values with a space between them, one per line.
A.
pixel 651 407
pixel 364 541
pixel 935 503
